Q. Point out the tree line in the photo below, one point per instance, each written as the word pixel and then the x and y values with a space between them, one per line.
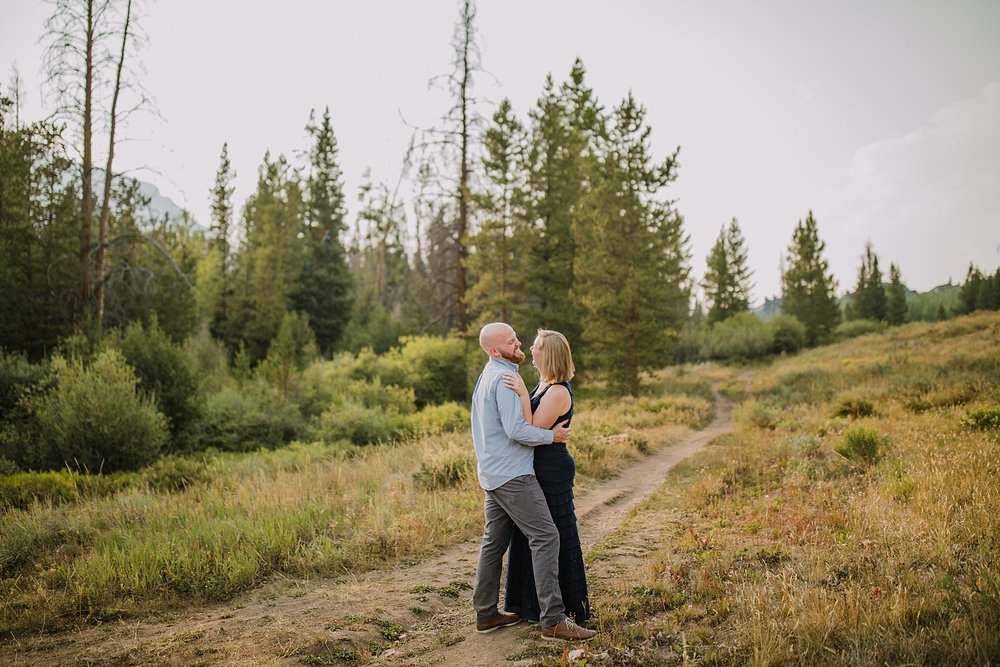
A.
pixel 559 217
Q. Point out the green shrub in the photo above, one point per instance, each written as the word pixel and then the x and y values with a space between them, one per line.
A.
pixel 861 443
pixel 246 419
pixel 22 489
pixel 376 395
pixel 325 378
pixel 208 359
pixel 854 328
pixel 852 405
pixel 445 472
pixel 95 417
pixel 361 424
pixel 174 473
pixel 8 467
pixel 741 337
pixel 434 367
pixel 789 334
pixel 17 376
pixel 165 373
pixel 758 414
pixel 440 418
pixel 96 486
pixel 983 419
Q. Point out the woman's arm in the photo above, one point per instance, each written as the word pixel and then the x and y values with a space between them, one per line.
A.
pixel 554 404
pixel 516 382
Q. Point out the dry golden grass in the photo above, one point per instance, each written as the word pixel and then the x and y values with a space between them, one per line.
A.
pixel 772 548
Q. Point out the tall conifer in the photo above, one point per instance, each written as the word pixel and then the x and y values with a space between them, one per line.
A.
pixel 633 265
pixel 896 310
pixel 324 291
pixel 807 286
pixel 727 277
pixel 869 302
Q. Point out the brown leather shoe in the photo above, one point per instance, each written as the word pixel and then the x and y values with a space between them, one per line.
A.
pixel 501 620
pixel 567 631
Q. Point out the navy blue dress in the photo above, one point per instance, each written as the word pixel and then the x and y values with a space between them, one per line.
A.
pixel 555 470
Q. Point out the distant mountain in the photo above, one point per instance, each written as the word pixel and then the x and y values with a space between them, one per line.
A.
pixel 160 205
pixel 770 309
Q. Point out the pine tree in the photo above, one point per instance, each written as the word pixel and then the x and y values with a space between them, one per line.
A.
pixel 325 289
pixel 633 265
pixel 39 219
pixel 727 278
pixel 968 295
pixel 869 301
pixel 564 126
pixel 896 310
pixel 495 265
pixel 213 279
pixel 270 260
pixel 806 284
pixel 222 207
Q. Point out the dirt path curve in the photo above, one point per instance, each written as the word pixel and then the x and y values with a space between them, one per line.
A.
pixel 291 622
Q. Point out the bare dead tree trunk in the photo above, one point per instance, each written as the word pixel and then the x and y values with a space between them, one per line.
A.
pixel 108 173
pixel 87 208
pixel 462 227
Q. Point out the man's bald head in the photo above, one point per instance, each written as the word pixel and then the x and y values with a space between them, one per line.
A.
pixel 499 341
pixel 494 334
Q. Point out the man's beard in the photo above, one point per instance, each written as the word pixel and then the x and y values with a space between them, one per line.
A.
pixel 515 357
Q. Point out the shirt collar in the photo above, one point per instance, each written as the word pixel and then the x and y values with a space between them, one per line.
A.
pixel 507 365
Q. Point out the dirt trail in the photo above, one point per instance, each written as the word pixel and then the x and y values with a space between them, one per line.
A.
pixel 294 622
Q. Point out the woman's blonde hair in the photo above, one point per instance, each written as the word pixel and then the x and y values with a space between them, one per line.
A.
pixel 555 363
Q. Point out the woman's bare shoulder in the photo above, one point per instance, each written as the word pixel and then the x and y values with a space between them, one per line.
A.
pixel 557 392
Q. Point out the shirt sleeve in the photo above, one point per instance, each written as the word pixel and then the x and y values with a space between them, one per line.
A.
pixel 512 418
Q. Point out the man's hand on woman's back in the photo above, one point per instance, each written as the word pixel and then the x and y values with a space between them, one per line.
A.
pixel 561 432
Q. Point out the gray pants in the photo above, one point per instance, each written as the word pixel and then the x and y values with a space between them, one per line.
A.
pixel 520 501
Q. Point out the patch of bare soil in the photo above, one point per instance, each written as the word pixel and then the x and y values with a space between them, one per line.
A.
pixel 417 615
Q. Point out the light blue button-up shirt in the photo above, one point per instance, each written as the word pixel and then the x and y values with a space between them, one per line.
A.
pixel 503 439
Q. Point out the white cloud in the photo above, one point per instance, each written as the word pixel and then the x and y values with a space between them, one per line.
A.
pixel 928 200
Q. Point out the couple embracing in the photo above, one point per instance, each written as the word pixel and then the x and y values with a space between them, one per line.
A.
pixel 527 475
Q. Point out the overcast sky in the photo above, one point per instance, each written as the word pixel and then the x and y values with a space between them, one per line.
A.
pixel 882 117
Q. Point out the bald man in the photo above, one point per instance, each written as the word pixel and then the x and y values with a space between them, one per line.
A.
pixel 505 465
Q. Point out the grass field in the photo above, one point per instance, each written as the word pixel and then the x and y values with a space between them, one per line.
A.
pixel 852 517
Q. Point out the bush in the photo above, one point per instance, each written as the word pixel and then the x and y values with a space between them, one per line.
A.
pixel 8 467
pixel 741 337
pixel 432 366
pixel 174 473
pixel 854 328
pixel 96 417
pixel 164 372
pixel 758 414
pixel 789 334
pixel 17 376
pixel 983 419
pixel 360 424
pixel 389 398
pixel 440 418
pixel 208 360
pixel 853 406
pixel 445 472
pixel 861 443
pixel 248 419
pixel 23 489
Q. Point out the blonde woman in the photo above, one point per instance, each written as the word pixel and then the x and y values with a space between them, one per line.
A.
pixel 548 404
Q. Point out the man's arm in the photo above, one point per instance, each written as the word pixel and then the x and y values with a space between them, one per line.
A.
pixel 514 424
